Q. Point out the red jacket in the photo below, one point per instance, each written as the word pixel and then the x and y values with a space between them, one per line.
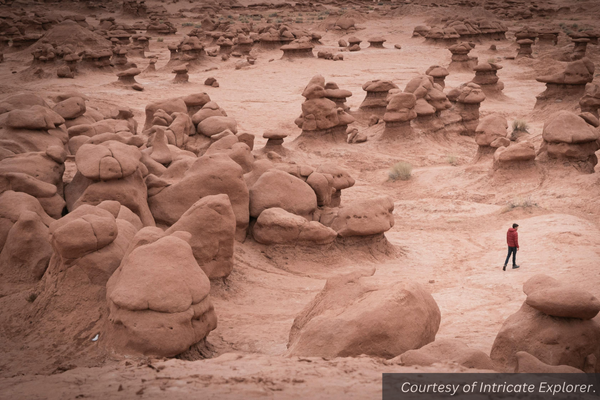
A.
pixel 512 238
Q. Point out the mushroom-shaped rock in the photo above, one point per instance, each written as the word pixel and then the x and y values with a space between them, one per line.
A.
pixel 158 299
pixel 274 141
pixel 567 137
pixel 439 74
pixel 460 57
pixel 525 49
pixel 399 112
pixel 297 50
pixel 181 74
pixel 376 42
pixel 127 77
pixel 353 315
pixel 486 77
pixel 337 95
pixel 376 100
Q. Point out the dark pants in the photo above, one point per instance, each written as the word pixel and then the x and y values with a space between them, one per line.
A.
pixel 513 251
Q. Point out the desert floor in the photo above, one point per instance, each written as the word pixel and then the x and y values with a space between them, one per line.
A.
pixel 451 219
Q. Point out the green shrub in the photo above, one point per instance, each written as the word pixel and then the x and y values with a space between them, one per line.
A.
pixel 187 24
pixel 452 160
pixel 160 39
pixel 401 170
pixel 198 26
pixel 31 298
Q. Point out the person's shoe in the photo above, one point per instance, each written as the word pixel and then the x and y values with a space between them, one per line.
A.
pixel 515 266
pixel 504 268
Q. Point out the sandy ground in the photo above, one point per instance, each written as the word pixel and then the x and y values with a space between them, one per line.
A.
pixel 449 234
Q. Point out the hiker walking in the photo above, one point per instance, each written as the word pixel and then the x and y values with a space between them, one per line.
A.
pixel 512 239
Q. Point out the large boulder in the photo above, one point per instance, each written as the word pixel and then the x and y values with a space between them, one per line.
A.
pixel 158 298
pixel 362 218
pixel 110 171
pixel 277 226
pixel 26 250
pixel 207 175
pixel 276 188
pixel 211 223
pixel 554 340
pixel 446 351
pixel 360 314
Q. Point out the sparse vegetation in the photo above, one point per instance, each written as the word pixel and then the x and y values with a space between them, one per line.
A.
pixel 526 202
pixel 520 125
pixel 32 296
pixel 401 170
pixel 160 39
pixel 187 24
pixel 452 160
pixel 198 26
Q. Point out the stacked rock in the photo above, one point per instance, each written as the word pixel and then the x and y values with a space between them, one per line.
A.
pixel 399 112
pixel 354 43
pixel 525 49
pixel 110 170
pixel 189 50
pixel 430 102
pixel 321 118
pixel 468 98
pixel 375 101
pixel 337 95
pixel 555 324
pixel 119 58
pixel 526 33
pixel 567 85
pixel 460 57
pixel 438 74
pixel 567 137
pixel 486 77
pixel 590 101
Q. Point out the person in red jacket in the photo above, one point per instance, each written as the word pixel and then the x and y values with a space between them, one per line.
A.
pixel 512 239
